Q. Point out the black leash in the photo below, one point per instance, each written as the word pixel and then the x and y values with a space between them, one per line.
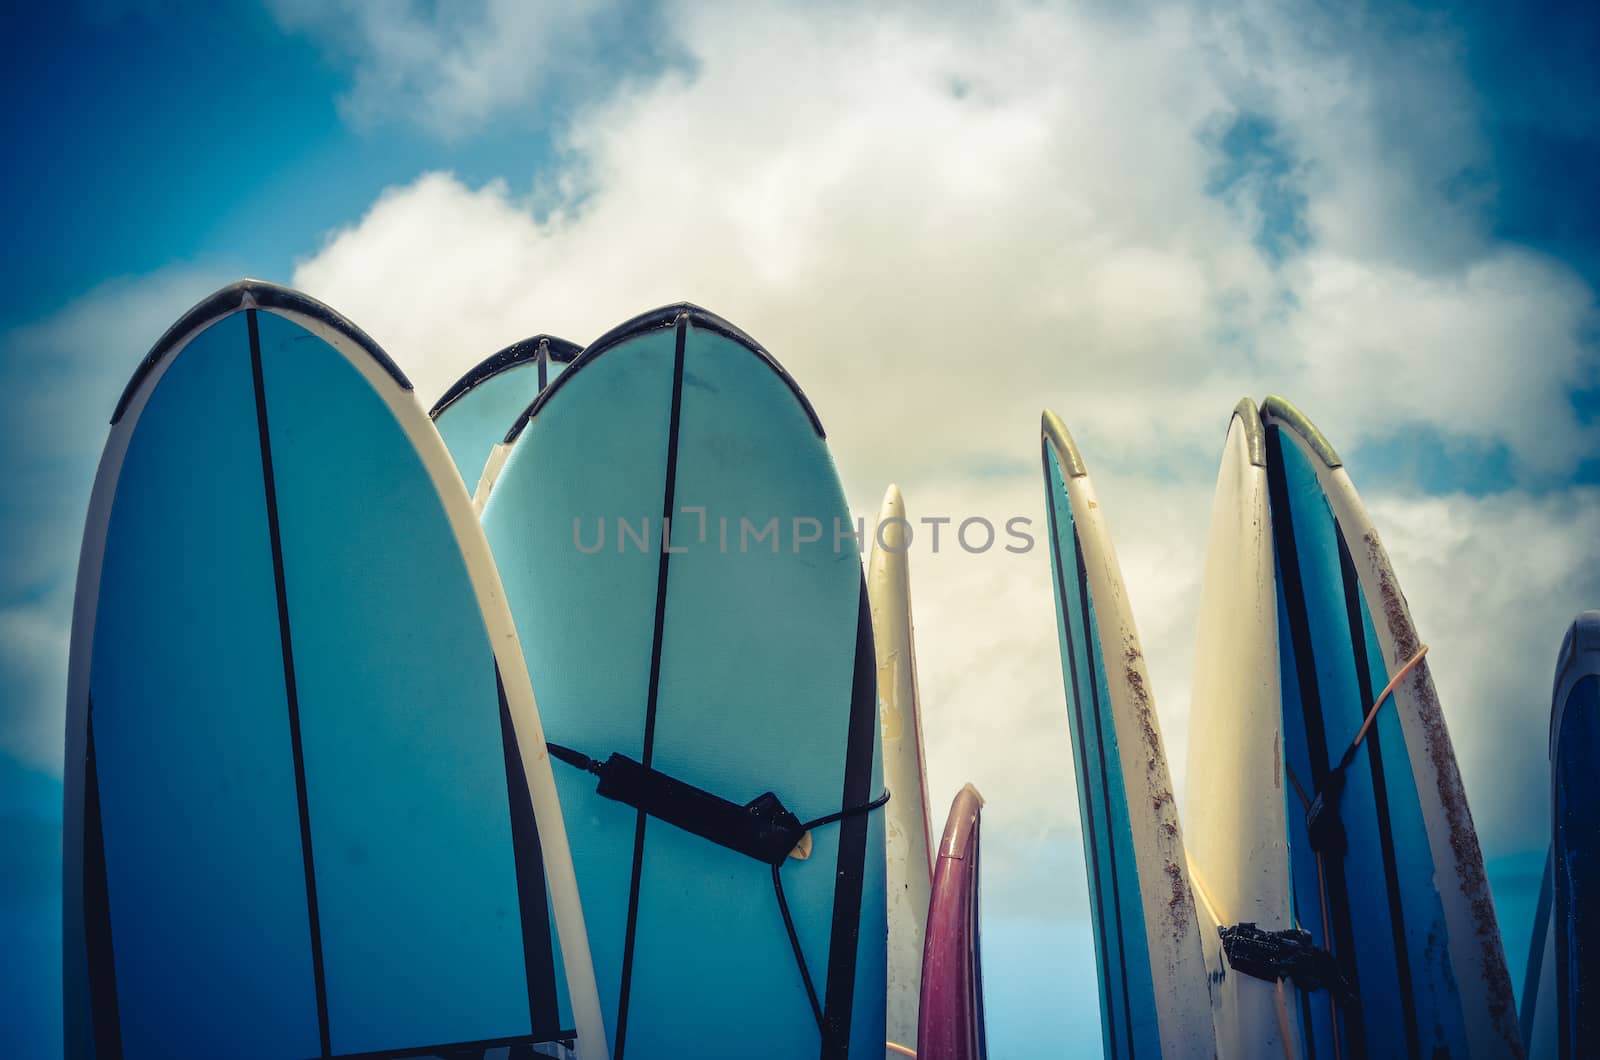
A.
pixel 783 904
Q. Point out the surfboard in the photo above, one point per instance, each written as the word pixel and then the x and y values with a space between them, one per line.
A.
pixel 307 799
pixel 669 503
pixel 910 866
pixel 473 415
pixel 950 1023
pixel 1154 999
pixel 1385 870
pixel 1235 829
pixel 1575 858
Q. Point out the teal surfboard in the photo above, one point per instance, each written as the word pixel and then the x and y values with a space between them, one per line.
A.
pixel 474 414
pixel 308 811
pixel 1152 976
pixel 1385 871
pixel 1561 996
pixel 669 506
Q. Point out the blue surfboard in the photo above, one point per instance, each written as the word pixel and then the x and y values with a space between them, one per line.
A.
pixel 1154 999
pixel 302 817
pixel 669 505
pixel 1387 876
pixel 1564 966
pixel 474 414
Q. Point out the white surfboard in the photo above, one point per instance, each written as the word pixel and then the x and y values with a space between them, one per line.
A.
pixel 900 721
pixel 1234 815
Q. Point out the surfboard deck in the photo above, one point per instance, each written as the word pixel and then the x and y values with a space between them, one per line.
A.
pixel 670 502
pixel 950 1019
pixel 303 771
pixel 1235 829
pixel 1391 882
pixel 907 827
pixel 1153 989
pixel 473 415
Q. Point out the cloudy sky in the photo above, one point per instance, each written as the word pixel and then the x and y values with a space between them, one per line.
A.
pixel 940 221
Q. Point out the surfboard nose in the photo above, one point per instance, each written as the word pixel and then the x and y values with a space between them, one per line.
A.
pixel 961 830
pixel 1579 656
pixel 1055 432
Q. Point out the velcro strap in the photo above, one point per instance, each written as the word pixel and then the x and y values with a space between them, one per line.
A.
pixel 762 828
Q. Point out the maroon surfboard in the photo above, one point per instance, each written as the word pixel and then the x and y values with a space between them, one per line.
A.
pixel 950 1020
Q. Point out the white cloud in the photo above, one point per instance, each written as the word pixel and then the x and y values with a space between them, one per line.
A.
pixel 990 666
pixel 942 222
pixel 1022 200
pixel 1490 352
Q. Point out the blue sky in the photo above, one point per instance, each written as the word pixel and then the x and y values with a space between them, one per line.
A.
pixel 1132 215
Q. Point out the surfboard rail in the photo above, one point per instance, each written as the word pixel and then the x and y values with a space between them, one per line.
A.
pixel 666 316
pixel 550 347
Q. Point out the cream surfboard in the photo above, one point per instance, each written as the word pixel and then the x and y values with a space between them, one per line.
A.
pixel 1234 807
pixel 910 868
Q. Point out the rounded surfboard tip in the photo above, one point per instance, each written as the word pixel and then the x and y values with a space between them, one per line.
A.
pixel 666 316
pixel 950 1017
pixel 1055 432
pixel 893 506
pixel 1582 636
pixel 1579 657
pixel 962 825
pixel 1284 413
pixel 556 349
pixel 960 828
pixel 891 533
pixel 1255 435
pixel 249 294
